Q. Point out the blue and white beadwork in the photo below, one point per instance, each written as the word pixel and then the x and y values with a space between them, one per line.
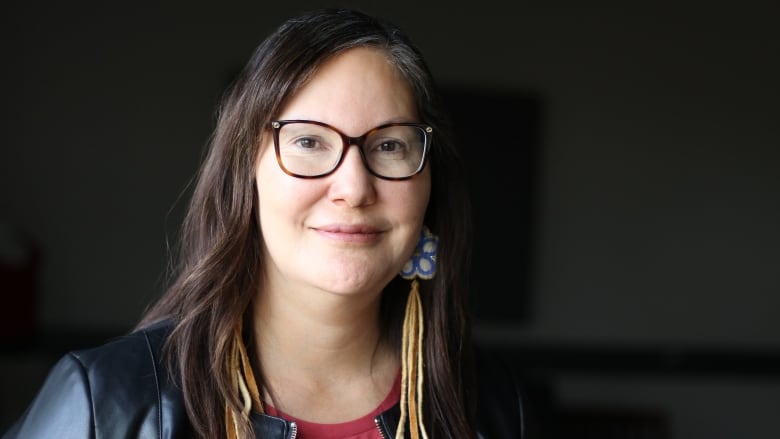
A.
pixel 422 264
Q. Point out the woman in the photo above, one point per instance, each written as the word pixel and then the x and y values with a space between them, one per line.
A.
pixel 329 173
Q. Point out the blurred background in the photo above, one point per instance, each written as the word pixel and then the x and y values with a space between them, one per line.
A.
pixel 624 160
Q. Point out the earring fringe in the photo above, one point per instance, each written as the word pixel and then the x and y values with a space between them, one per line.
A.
pixel 244 383
pixel 412 372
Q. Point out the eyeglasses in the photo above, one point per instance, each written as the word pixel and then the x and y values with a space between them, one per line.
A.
pixel 310 149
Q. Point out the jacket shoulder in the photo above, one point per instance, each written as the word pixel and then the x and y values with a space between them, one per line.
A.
pixel 119 389
pixel 125 359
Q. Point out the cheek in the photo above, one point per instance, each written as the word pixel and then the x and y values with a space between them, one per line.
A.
pixel 268 184
pixel 418 195
pixel 266 160
pixel 270 179
pixel 281 199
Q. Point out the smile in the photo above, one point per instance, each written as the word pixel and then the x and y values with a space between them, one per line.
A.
pixel 350 233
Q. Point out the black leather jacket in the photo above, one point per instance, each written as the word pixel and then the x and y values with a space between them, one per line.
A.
pixel 122 390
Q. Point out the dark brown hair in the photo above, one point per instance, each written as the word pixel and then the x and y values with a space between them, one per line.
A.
pixel 219 259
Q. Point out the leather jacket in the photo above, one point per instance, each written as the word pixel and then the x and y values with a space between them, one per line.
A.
pixel 122 390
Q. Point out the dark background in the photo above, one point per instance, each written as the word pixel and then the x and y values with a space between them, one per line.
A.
pixel 628 248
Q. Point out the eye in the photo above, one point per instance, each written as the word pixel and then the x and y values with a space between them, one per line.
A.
pixel 389 145
pixel 386 146
pixel 307 142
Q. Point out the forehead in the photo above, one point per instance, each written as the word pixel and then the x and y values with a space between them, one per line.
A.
pixel 355 90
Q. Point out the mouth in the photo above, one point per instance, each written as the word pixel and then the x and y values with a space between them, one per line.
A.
pixel 358 233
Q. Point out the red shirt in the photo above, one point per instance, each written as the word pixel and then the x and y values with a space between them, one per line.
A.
pixel 361 428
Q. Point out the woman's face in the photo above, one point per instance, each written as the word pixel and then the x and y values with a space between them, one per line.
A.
pixel 348 232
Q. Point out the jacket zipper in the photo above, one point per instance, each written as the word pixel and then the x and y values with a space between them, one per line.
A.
pixel 379 427
pixel 293 430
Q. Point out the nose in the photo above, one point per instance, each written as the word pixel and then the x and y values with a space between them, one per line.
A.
pixel 352 184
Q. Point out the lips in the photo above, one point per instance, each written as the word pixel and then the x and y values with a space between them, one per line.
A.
pixel 349 229
pixel 348 233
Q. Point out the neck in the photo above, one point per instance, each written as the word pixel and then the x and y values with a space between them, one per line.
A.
pixel 331 331
pixel 322 347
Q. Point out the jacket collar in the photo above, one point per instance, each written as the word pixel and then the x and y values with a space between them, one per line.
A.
pixel 267 426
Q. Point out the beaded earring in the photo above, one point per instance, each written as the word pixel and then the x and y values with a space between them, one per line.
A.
pixel 421 265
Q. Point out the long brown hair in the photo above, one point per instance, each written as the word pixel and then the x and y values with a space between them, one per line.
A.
pixel 219 258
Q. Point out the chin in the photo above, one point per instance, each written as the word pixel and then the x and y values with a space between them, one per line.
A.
pixel 360 284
